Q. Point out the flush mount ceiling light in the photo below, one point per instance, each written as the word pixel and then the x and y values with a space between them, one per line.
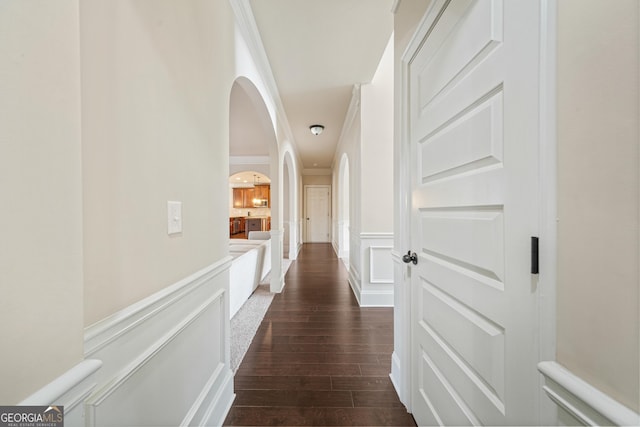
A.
pixel 316 129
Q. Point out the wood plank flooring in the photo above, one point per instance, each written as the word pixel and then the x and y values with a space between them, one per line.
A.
pixel 318 358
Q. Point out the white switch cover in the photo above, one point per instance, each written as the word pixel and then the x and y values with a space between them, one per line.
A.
pixel 174 217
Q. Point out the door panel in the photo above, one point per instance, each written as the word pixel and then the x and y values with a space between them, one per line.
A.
pixel 473 124
pixel 317 201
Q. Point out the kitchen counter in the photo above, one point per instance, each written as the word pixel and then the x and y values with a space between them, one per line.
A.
pixel 257 223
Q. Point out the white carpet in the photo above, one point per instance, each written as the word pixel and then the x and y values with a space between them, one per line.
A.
pixel 247 320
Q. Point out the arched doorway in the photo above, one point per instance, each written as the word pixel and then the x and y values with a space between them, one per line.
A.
pixel 249 201
pixel 253 146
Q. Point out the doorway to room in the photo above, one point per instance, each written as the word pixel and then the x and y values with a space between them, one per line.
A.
pixel 317 205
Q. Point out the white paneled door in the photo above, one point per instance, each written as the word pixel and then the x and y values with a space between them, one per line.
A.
pixel 318 212
pixel 473 126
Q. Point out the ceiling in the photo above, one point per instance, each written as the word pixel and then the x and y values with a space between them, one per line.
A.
pixel 317 49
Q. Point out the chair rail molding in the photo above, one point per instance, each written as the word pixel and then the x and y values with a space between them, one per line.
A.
pixel 70 390
pixel 166 358
pixel 581 400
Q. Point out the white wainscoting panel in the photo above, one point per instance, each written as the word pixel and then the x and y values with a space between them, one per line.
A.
pixel 166 358
pixel 380 265
pixel 371 276
pixel 581 403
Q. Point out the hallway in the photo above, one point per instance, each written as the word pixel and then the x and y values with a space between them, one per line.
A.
pixel 318 358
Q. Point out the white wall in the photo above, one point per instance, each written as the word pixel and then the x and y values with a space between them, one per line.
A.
pixel 377 147
pixel 367 141
pixel 156 78
pixel 598 194
pixel 40 176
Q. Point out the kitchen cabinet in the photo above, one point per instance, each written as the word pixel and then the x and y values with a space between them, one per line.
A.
pixel 249 195
pixel 262 195
pixel 237 225
pixel 256 197
pixel 238 198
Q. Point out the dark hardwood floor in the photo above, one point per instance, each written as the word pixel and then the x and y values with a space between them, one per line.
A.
pixel 318 358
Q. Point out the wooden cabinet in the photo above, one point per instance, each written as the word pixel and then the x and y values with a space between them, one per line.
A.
pixel 262 194
pixel 256 197
pixel 238 198
pixel 249 195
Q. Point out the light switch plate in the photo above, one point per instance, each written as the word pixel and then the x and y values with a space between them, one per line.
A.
pixel 174 217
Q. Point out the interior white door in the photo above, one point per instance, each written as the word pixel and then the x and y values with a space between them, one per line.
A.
pixel 473 130
pixel 318 213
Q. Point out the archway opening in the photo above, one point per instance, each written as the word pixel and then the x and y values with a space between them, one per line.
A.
pixel 249 203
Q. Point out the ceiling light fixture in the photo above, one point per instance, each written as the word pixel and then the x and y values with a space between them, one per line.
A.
pixel 316 129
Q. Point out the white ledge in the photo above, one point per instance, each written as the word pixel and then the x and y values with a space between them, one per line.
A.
pixel 600 402
pixel 54 390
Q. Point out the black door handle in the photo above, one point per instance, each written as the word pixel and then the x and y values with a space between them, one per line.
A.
pixel 410 257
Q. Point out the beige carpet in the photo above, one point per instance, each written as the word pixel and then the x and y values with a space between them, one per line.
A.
pixel 247 320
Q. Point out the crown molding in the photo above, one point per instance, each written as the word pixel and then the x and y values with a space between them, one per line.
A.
pixel 249 29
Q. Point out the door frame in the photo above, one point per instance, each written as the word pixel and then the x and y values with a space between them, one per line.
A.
pixel 546 322
pixel 306 212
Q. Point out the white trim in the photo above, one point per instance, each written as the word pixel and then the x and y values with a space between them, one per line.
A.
pixel 421 31
pixel 141 361
pixel 178 335
pixel 402 243
pixel 249 29
pixel 218 405
pixel 401 361
pixel 277 283
pixel 583 401
pixel 372 278
pixel 548 198
pixel 52 392
pixel 376 235
pixel 104 332
pixel 354 281
pixel 369 290
pixel 396 374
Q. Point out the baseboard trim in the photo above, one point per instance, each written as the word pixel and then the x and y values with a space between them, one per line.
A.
pixel 396 375
pixel 382 298
pixel 581 400
pixel 354 282
pixel 211 408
